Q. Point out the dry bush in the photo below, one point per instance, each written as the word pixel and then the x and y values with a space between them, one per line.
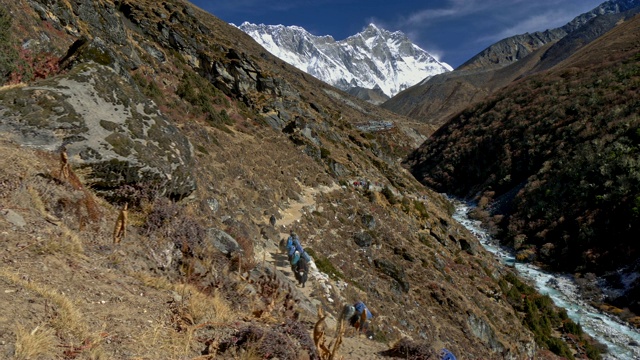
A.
pixel 50 194
pixel 191 311
pixel 200 304
pixel 247 259
pixel 86 208
pixel 298 331
pixel 136 195
pixel 276 299
pixel 174 222
pixel 411 350
pixel 200 307
pixel 37 201
pixel 67 242
pixel 33 344
pixel 328 351
pixel 265 342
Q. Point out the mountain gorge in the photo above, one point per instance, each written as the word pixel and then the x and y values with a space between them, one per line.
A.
pixel 552 161
pixel 145 147
pixel 374 64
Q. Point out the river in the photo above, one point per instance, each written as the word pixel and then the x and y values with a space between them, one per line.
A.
pixel 621 339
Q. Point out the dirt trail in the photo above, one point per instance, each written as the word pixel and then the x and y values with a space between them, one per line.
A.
pixel 354 347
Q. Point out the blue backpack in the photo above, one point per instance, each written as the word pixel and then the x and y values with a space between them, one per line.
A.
pixel 295 245
pixel 446 355
pixel 306 256
pixel 295 258
pixel 360 307
pixel 292 240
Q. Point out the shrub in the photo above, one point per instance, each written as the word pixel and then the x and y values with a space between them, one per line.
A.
pixel 409 349
pixel 148 87
pixel 421 209
pixel 8 54
pixel 168 220
pixel 267 343
pixel 324 153
pixel 201 94
pixel 391 198
pixel 541 316
pixel 324 265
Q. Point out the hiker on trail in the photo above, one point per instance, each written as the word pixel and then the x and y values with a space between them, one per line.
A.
pixel 301 270
pixel 359 317
pixel 293 260
pixel 446 355
pixel 293 244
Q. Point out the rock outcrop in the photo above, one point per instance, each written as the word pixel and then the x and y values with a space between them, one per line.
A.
pixel 107 127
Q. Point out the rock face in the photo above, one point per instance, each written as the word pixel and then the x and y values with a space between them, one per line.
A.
pixel 107 127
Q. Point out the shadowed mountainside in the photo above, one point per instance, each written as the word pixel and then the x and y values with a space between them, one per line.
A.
pixel 552 160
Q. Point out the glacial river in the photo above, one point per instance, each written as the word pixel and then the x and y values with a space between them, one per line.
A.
pixel 621 340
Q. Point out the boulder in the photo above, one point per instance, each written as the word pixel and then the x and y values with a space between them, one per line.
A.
pixel 113 135
pixel 363 239
pixel 394 271
pixel 222 241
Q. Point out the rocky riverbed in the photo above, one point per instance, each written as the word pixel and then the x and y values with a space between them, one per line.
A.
pixel 622 340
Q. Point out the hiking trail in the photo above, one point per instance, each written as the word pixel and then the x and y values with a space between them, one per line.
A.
pixel 354 347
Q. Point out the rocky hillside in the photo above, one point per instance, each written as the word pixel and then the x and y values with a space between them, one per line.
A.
pixel 552 159
pixel 436 100
pixel 144 148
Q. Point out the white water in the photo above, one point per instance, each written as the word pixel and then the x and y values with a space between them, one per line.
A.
pixel 563 291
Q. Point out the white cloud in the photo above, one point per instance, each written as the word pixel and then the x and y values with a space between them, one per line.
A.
pixel 455 8
pixel 461 8
pixel 539 21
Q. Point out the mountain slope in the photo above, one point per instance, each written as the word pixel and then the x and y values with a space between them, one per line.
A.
pixel 553 160
pixel 164 121
pixel 372 59
pixel 436 99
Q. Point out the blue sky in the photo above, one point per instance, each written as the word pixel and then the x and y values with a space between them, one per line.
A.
pixel 451 30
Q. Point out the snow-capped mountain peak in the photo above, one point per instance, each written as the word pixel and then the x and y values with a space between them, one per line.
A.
pixel 373 58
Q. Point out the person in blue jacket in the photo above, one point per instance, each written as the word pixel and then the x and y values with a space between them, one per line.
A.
pixel 361 318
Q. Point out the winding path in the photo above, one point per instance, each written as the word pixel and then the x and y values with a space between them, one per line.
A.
pixel 352 348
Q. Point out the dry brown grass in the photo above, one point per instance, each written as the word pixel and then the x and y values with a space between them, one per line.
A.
pixel 69 321
pixel 12 86
pixel 164 339
pixel 63 241
pixel 198 306
pixel 175 337
pixel 36 343
pixel 155 282
pixel 36 201
pixel 202 307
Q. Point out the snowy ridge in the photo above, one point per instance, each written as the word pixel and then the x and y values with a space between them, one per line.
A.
pixel 373 58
